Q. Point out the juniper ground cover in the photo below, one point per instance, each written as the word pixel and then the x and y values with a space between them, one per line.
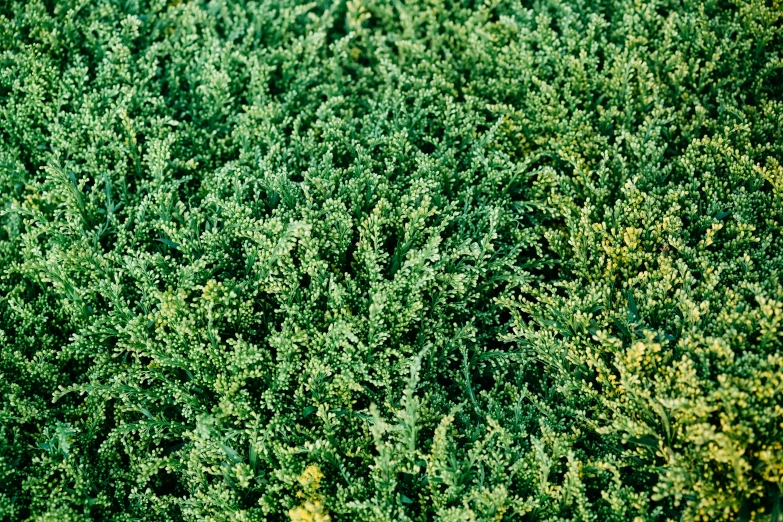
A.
pixel 391 260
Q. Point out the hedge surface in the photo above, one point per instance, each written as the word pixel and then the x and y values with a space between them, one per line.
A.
pixel 391 260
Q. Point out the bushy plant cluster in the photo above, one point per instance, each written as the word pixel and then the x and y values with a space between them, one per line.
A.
pixel 391 260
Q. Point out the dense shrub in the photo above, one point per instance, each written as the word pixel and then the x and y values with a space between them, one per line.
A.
pixel 410 260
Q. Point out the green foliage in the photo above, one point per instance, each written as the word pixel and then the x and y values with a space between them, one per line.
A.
pixel 410 260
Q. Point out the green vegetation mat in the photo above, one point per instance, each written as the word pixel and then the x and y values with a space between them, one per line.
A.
pixel 406 260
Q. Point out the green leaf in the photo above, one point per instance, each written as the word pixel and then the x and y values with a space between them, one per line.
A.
pixel 168 242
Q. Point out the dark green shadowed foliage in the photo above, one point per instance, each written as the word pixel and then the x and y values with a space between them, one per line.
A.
pixel 401 260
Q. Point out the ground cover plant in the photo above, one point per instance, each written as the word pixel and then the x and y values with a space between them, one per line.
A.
pixel 391 260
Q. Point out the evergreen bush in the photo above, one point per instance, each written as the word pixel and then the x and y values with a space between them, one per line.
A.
pixel 398 260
